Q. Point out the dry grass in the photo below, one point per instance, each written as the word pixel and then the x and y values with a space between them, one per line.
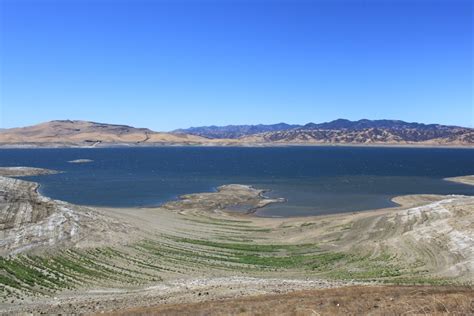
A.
pixel 357 300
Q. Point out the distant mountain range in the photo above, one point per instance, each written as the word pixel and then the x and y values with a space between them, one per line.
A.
pixel 341 131
pixel 237 131
pixel 234 131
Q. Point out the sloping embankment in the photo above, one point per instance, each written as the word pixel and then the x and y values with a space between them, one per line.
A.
pixel 194 250
pixel 30 221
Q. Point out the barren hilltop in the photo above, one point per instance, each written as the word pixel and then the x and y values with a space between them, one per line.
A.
pixel 64 133
pixel 84 133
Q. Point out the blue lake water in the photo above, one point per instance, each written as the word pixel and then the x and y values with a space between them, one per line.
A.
pixel 314 180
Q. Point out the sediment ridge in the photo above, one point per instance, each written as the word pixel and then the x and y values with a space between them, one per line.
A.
pixel 32 222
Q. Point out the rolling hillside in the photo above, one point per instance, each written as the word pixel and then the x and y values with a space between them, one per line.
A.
pixel 63 133
pixel 343 131
pixel 234 131
pixel 83 133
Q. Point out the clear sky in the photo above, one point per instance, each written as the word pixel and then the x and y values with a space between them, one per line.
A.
pixel 172 64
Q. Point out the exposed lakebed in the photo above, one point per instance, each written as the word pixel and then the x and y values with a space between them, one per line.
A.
pixel 313 180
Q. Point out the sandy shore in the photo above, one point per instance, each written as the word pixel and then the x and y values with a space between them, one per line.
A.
pixel 24 171
pixel 464 179
pixel 195 250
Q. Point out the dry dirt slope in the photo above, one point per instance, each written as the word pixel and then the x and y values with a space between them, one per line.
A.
pixel 193 250
pixel 83 133
pixel 32 222
pixel 361 300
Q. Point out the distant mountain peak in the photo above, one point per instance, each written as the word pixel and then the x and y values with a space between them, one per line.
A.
pixel 234 131
pixel 366 123
pixel 340 131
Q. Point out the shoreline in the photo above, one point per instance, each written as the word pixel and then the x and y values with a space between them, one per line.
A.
pixel 468 180
pixel 401 201
pixel 193 250
pixel 232 145
pixel 25 171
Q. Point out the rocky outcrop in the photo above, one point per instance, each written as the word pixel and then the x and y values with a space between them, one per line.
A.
pixel 80 161
pixel 245 197
pixel 32 222
pixel 24 171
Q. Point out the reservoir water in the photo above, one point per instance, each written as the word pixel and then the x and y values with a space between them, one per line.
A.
pixel 314 180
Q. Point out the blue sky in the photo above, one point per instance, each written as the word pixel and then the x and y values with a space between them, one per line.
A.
pixel 171 64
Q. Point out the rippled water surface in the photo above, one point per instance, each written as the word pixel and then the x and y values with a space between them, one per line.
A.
pixel 315 180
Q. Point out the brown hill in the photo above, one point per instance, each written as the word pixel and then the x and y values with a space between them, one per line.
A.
pixel 82 133
pixel 457 136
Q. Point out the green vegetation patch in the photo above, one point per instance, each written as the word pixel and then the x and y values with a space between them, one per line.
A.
pixel 47 274
pixel 249 247
pixel 17 273
pixel 268 256
pixel 366 268
pixel 302 261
